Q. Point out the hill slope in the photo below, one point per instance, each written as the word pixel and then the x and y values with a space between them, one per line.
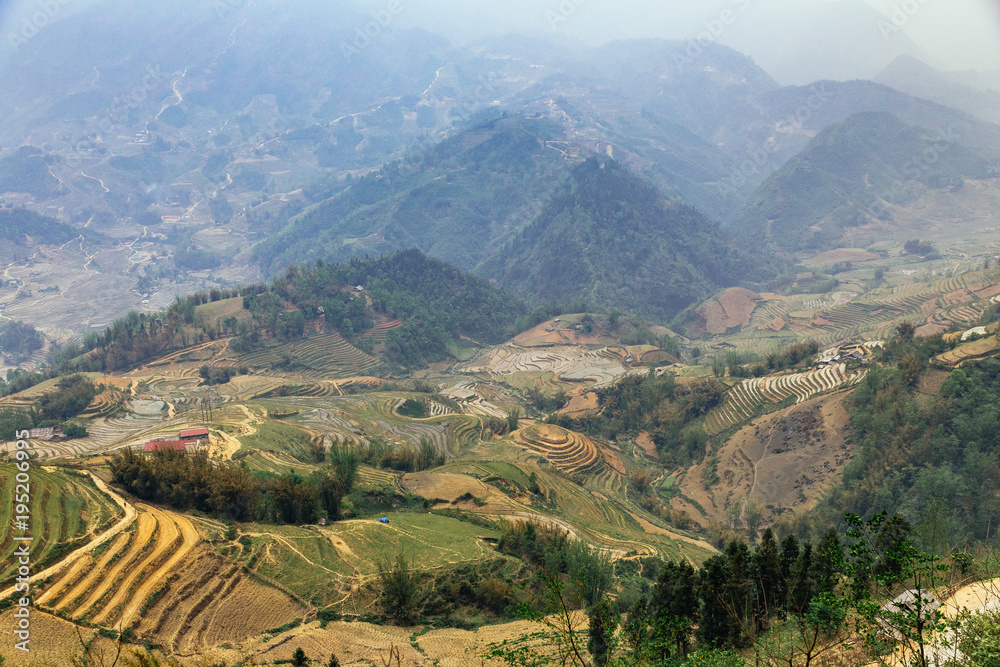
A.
pixel 848 175
pixel 456 200
pixel 610 238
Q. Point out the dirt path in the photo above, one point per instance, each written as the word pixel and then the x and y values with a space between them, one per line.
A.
pixel 130 516
pixel 767 445
pixel 231 444
pixel 278 538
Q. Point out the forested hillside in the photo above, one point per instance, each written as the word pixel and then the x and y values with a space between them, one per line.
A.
pixel 851 174
pixel 18 224
pixel 456 200
pixel 437 303
pixel 609 237
pixel 27 171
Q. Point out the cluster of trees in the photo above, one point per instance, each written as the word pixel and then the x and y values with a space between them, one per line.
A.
pixel 734 596
pixel 379 453
pixel 771 604
pixel 71 396
pixel 555 553
pixel 643 336
pixel 187 482
pixel 668 411
pixel 740 365
pixel 220 374
pixel 918 247
pixel 438 302
pixel 19 340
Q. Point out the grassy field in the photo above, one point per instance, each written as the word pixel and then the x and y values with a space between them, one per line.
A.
pixel 321 563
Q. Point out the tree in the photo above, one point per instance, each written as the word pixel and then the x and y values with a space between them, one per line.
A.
pixel 603 623
pixel 674 608
pixel 337 483
pixel 513 419
pixel 299 658
pixel 771 592
pixel 906 331
pixel 333 662
pixel 400 590
pixel 880 558
pixel 828 562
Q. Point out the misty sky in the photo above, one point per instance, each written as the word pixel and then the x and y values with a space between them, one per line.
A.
pixel 948 34
pixel 956 34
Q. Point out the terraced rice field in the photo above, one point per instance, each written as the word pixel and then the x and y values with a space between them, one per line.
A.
pixel 66 512
pixel 970 351
pixel 572 364
pixel 324 564
pixel 105 404
pixel 949 301
pixel 567 451
pixel 471 398
pixel 379 333
pixel 745 398
pixel 350 419
pixel 109 587
pixel 595 513
pixel 209 601
pixel 145 418
pixel 318 356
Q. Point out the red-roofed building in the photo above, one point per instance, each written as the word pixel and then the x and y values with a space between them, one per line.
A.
pixel 161 445
pixel 194 434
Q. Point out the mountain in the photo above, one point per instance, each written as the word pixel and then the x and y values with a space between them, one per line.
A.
pixel 949 88
pixel 848 176
pixel 610 238
pixel 457 200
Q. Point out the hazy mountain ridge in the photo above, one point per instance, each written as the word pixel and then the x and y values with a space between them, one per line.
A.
pixel 952 89
pixel 848 175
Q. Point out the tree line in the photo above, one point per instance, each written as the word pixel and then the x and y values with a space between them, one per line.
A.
pixel 229 491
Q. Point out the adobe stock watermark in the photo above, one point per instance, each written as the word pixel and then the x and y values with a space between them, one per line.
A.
pixel 914 170
pixel 44 12
pixel 715 28
pixel 372 30
pixel 900 15
pixel 22 537
pixel 759 159
pixel 563 13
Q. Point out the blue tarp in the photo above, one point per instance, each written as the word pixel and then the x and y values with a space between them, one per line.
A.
pixel 383 520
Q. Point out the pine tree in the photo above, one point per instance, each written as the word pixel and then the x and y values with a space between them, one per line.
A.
pixel 801 586
pixel 299 658
pixel 674 605
pixel 771 592
pixel 713 630
pixel 829 562
pixel 739 593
